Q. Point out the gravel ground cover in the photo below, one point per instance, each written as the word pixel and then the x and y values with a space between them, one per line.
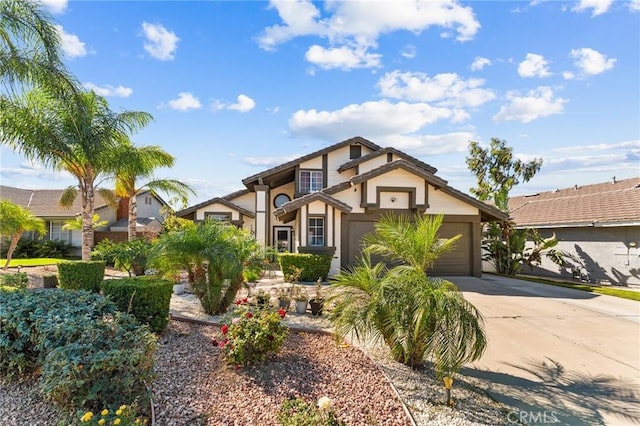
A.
pixel 195 387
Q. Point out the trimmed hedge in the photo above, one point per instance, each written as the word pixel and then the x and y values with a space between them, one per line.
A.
pixel 90 355
pixel 81 275
pixel 312 266
pixel 146 298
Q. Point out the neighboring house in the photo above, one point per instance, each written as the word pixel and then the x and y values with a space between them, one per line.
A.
pixel 44 204
pixel 598 225
pixel 326 201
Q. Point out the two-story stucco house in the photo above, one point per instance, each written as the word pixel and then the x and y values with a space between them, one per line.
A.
pixel 326 201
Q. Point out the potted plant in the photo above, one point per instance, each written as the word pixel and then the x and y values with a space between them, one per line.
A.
pixel 317 302
pixel 300 297
pixel 262 299
pixel 284 297
pixel 178 284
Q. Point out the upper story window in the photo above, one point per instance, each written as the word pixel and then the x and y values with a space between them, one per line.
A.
pixel 310 181
pixel 355 151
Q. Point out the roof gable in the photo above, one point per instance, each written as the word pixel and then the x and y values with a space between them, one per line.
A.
pixel 285 172
pixel 287 211
pixel 488 212
pixel 217 200
pixel 589 205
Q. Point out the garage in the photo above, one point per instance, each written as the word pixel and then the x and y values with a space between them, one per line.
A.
pixel 459 261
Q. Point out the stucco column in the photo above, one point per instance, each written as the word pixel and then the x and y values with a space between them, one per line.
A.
pixel 262 213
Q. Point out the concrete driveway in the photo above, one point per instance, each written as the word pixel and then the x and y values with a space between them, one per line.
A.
pixel 556 355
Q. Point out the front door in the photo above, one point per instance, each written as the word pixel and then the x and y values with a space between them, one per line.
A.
pixel 282 238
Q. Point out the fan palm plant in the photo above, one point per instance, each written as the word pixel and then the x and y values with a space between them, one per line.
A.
pixel 413 314
pixel 77 134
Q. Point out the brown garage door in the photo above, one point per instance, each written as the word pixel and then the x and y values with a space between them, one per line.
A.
pixel 459 260
pixel 456 262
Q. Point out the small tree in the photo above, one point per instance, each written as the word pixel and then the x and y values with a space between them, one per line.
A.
pixel 413 314
pixel 214 254
pixel 497 172
pixel 15 221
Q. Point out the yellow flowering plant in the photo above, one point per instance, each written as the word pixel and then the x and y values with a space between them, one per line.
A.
pixel 125 415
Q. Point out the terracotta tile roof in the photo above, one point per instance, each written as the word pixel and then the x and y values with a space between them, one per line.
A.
pixel 589 205
pixel 44 202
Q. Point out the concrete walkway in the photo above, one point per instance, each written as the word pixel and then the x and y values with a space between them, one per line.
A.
pixel 557 355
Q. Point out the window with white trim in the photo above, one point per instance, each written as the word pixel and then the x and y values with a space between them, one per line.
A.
pixel 316 231
pixel 57 233
pixel 310 181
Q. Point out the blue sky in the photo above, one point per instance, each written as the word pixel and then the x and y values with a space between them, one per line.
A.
pixel 237 87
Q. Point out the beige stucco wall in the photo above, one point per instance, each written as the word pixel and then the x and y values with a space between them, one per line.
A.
pixel 442 203
pixel 314 163
pixel 216 208
pixel 373 163
pixel 397 178
pixel 246 201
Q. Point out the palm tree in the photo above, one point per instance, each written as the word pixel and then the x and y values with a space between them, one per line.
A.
pixel 15 221
pixel 75 224
pixel 413 314
pixel 78 134
pixel 30 48
pixel 139 163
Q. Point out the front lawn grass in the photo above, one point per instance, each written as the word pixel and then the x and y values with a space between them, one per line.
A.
pixel 42 261
pixel 609 291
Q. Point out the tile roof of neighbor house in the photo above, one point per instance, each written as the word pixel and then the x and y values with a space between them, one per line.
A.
pixel 44 202
pixel 590 205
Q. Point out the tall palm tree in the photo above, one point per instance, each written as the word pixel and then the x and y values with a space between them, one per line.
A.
pixel 413 314
pixel 15 221
pixel 30 48
pixel 78 134
pixel 138 164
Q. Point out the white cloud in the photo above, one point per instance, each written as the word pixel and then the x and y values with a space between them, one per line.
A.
pixel 342 57
pixel 108 90
pixel 634 5
pixel 71 44
pixel 591 62
pixel 55 6
pixel 568 75
pixel 184 102
pixel 479 63
pixel 161 43
pixel 409 51
pixel 536 104
pixel 429 144
pixel 534 66
pixel 376 119
pixel 34 170
pixel 244 104
pixel 357 24
pixel 598 7
pixel 447 89
pixel 600 147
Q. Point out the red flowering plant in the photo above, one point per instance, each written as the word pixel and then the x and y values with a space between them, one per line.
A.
pixel 249 335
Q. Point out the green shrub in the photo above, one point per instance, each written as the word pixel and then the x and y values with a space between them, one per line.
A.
pixel 105 251
pixel 17 280
pixel 312 266
pixel 146 298
pixel 90 355
pixel 30 249
pixel 109 362
pixel 251 335
pixel 81 275
pixel 36 320
pixel 298 412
